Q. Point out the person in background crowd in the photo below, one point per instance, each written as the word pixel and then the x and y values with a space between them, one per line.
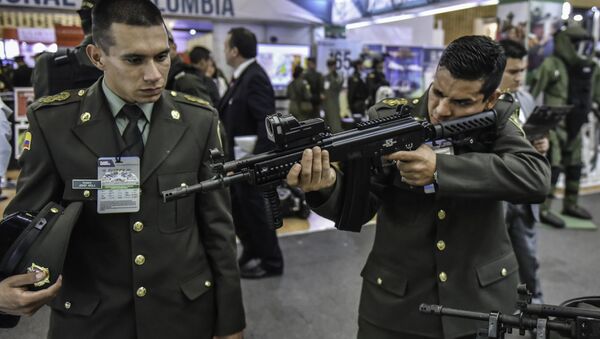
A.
pixel 187 79
pixel 332 86
pixel 315 80
pixel 298 91
pixel 375 79
pixel 213 72
pixel 69 68
pixel 200 59
pixel 430 246
pixel 521 218
pixel 5 147
pixel 357 89
pixel 243 110
pixel 21 75
pixel 157 270
pixel 568 77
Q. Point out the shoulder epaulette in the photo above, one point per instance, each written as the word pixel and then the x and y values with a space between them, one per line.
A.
pixel 62 98
pixel 190 99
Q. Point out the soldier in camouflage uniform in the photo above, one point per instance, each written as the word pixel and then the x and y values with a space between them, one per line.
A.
pixel 567 78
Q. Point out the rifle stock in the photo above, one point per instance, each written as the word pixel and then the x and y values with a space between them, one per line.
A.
pixel 369 140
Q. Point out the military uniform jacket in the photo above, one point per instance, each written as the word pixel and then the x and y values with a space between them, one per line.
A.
pixel 167 271
pixel 299 93
pixel 333 84
pixel 451 247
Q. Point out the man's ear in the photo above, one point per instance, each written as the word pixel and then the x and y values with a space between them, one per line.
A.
pixel 95 54
pixel 491 102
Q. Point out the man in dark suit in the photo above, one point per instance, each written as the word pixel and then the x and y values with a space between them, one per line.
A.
pixel 447 243
pixel 159 270
pixel 243 109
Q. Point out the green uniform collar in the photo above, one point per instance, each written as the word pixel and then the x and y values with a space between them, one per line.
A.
pixel 115 103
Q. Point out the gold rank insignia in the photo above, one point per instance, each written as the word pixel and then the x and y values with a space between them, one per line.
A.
pixel 37 268
pixel 62 96
pixel 175 115
pixel 85 117
pixel 514 119
pixel 394 102
pixel 196 100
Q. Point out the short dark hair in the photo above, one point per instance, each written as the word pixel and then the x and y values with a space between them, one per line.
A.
pixel 244 40
pixel 128 12
pixel 475 57
pixel 311 59
pixel 513 49
pixel 199 53
pixel 331 62
pixel 297 72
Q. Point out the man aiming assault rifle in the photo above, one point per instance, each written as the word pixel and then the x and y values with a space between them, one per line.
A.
pixel 449 247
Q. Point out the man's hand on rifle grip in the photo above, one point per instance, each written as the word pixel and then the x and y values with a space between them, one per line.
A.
pixel 314 172
pixel 416 167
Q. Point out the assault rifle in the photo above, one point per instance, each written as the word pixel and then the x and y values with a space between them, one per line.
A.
pixel 571 322
pixel 368 141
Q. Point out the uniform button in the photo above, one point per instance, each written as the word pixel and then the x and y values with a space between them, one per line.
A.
pixel 207 283
pixel 379 281
pixel 87 193
pixel 504 272
pixel 441 245
pixel 140 260
pixel 141 292
pixel 138 226
pixel 442 214
pixel 443 277
pixel 183 184
pixel 67 305
pixel 54 210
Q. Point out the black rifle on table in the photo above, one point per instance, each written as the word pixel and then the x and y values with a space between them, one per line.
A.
pixel 571 322
pixel 368 141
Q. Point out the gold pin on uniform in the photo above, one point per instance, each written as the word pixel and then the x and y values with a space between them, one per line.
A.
pixel 175 115
pixel 37 268
pixel 85 117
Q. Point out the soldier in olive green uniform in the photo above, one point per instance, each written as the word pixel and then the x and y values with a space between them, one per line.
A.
pixel 357 90
pixel 449 246
pixel 376 79
pixel 298 92
pixel 169 269
pixel 315 80
pixel 332 86
pixel 567 78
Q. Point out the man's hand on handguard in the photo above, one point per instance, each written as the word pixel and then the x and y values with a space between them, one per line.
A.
pixel 541 145
pixel 314 172
pixel 416 167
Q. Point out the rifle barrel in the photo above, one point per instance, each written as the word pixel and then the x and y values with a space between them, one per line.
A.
pixel 514 321
pixel 205 186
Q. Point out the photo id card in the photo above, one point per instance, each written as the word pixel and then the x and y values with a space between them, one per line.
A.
pixel 120 181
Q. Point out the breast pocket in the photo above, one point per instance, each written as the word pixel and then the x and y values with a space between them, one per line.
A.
pixel 178 215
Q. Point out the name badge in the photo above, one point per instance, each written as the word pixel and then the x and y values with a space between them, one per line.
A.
pixel 120 182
